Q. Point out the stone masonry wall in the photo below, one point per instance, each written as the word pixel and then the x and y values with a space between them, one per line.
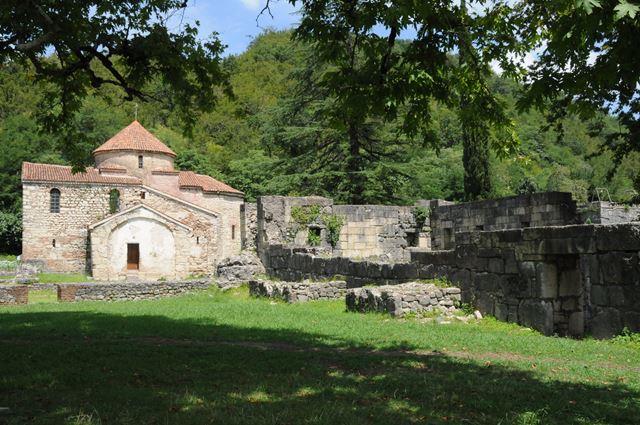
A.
pixel 398 300
pixel 608 213
pixel 569 280
pixel 368 231
pixel 80 206
pixel 376 231
pixel 249 226
pixel 535 210
pixel 14 294
pixel 298 292
pixel 72 292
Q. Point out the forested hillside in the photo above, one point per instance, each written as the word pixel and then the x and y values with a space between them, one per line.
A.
pixel 274 138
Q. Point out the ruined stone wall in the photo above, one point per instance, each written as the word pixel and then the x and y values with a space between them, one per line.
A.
pixel 299 292
pixel 14 294
pixel 80 206
pixel 72 292
pixel 368 231
pixel 402 299
pixel 249 225
pixel 568 280
pixel 376 231
pixel 535 210
pixel 608 213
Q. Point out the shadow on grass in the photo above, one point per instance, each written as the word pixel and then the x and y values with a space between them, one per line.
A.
pixel 85 367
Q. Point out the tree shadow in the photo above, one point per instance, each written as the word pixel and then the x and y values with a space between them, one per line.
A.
pixel 88 367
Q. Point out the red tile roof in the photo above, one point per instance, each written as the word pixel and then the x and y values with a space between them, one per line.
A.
pixel 206 183
pixel 135 137
pixel 61 173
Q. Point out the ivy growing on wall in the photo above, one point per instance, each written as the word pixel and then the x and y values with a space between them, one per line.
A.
pixel 334 224
pixel 303 216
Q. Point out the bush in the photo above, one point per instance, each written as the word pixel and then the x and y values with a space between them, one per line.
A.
pixel 10 233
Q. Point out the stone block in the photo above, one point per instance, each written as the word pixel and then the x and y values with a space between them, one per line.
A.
pixel 575 326
pixel 496 265
pixel 599 295
pixel 485 303
pixel 547 280
pixel 616 296
pixel 606 323
pixel 537 315
pixel 631 320
pixel 618 237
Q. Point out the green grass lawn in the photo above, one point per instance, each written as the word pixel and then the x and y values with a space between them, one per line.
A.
pixel 229 359
pixel 62 278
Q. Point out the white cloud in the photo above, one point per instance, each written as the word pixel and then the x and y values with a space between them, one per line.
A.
pixel 251 4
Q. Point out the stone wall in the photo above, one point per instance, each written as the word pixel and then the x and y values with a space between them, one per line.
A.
pixel 14 294
pixel 376 231
pixel 249 225
pixel 516 212
pixel 59 240
pixel 298 292
pixel 568 280
pixel 369 231
pixel 72 292
pixel 406 298
pixel 608 213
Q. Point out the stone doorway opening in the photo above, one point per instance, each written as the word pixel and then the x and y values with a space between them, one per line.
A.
pixel 133 256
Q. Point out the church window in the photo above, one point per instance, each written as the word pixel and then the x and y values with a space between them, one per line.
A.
pixel 114 201
pixel 53 243
pixel 233 232
pixel 140 161
pixel 54 201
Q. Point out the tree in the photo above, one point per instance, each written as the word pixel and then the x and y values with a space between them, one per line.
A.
pixel 588 64
pixel 78 46
pixel 373 76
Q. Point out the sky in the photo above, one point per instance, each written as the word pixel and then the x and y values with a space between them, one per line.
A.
pixel 235 20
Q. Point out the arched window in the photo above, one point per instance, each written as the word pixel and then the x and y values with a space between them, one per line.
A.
pixel 54 201
pixel 114 201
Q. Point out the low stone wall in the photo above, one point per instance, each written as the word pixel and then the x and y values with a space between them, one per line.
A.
pixel 402 299
pixel 566 280
pixel 14 294
pixel 72 292
pixel 297 292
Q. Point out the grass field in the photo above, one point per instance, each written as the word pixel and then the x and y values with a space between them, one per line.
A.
pixel 229 359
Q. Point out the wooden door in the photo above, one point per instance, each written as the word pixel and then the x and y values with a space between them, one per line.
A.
pixel 133 256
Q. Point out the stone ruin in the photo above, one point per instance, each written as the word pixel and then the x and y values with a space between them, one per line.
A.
pixel 406 298
pixel 539 260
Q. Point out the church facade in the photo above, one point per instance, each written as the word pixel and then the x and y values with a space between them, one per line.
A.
pixel 132 216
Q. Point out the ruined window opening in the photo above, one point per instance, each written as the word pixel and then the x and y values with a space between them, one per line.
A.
pixel 140 161
pixel 197 240
pixel 53 243
pixel 54 201
pixel 114 201
pixel 233 231
pixel 143 195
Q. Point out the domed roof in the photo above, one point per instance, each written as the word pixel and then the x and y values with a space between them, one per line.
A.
pixel 135 137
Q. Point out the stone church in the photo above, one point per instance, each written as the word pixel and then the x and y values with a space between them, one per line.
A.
pixel 132 216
